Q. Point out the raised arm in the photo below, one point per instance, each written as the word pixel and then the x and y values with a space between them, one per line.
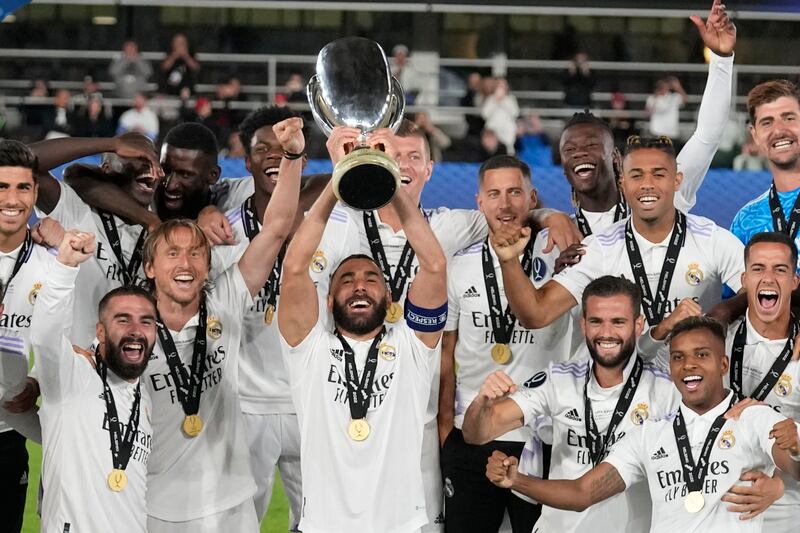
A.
pixel 257 261
pixel 492 413
pixel 786 449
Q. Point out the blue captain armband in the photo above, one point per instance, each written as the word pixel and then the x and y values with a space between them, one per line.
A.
pixel 425 320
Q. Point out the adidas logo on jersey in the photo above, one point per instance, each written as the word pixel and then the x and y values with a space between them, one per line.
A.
pixel 472 292
pixel 572 414
pixel 660 454
pixel 337 354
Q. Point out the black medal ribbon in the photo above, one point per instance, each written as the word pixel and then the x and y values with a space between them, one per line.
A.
pixel 695 473
pixel 620 212
pixel 110 228
pixel 188 384
pixel 654 307
pixel 779 222
pixel 121 443
pixel 397 283
pixel 775 371
pixel 251 229
pixel 502 321
pixel 597 444
pixel 359 391
pixel 22 258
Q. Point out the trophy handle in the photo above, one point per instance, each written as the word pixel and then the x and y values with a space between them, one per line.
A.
pixel 316 102
pixel 397 105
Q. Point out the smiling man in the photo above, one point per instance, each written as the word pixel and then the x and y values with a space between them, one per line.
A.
pixel 690 458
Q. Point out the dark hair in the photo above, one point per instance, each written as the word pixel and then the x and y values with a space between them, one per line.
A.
pixel 586 117
pixel 694 323
pixel 504 161
pixel 662 143
pixel 776 237
pixel 606 286
pixel 353 257
pixel 17 154
pixel 193 136
pixel 125 290
pixel 263 116
pixel 409 129
pixel 767 92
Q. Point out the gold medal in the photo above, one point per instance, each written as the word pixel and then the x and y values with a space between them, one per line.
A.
pixel 694 501
pixel 358 429
pixel 117 480
pixel 269 314
pixel 394 313
pixel 192 425
pixel 501 354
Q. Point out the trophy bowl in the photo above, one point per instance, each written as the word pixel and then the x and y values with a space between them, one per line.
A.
pixel 354 87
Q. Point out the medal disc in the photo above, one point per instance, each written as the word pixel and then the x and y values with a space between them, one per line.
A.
pixel 117 480
pixel 358 430
pixel 394 313
pixel 192 425
pixel 501 354
pixel 694 501
pixel 269 314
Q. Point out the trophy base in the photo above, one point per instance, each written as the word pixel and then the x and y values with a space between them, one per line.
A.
pixel 366 179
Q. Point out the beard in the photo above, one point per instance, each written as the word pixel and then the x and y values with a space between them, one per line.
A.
pixel 193 201
pixel 116 360
pixel 359 325
pixel 626 349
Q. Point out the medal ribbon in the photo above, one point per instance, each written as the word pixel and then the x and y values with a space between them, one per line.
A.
pixel 397 283
pixel 251 229
pixel 778 220
pixel 695 474
pixel 775 371
pixel 121 444
pixel 358 393
pixel 654 307
pixel 502 321
pixel 22 258
pixel 620 212
pixel 187 385
pixel 110 228
pixel 598 445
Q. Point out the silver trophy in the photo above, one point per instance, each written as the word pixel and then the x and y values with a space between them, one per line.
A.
pixel 354 87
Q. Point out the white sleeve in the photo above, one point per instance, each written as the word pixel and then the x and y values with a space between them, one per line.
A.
pixel 576 277
pixel 298 359
pixel 729 254
pixel 695 157
pixel 463 228
pixel 544 264
pixel 59 369
pixel 759 420
pixel 534 400
pixel 453 301
pixel 625 456
pixel 70 210
pixel 231 293
pixel 230 193
pixel 426 360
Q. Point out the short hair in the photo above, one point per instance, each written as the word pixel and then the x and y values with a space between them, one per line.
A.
pixel 263 116
pixel 694 323
pixel 607 286
pixel 193 136
pixel 17 154
pixel 164 233
pixel 662 143
pixel 409 129
pixel 586 117
pixel 353 257
pixel 767 92
pixel 505 161
pixel 125 290
pixel 772 237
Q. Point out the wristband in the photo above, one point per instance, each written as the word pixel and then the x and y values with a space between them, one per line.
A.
pixel 291 157
pixel 425 320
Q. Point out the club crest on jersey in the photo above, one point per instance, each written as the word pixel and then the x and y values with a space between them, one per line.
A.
pixel 694 276
pixel 34 293
pixel 784 385
pixel 214 328
pixel 387 352
pixel 318 262
pixel 640 414
pixel 727 440
pixel 539 269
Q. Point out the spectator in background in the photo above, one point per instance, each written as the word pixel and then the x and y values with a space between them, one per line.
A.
pixel 178 70
pixel 622 126
pixel 490 146
pixel 750 158
pixel 233 148
pixel 129 71
pixel 403 69
pixel 204 113
pixel 40 89
pixel 664 106
pixel 36 115
pixel 578 82
pixel 59 119
pixel 93 119
pixel 140 118
pixel 437 139
pixel 500 111
pixel 532 144
pixel 294 90
pixel 474 98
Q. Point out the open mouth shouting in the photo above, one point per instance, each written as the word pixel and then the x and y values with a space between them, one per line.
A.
pixel 584 170
pixel 767 299
pixel 692 382
pixel 405 180
pixel 146 183
pixel 184 280
pixel 133 350
pixel 360 303
pixel 271 173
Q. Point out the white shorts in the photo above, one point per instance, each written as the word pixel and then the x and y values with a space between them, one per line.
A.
pixel 241 519
pixel 432 478
pixel 274 440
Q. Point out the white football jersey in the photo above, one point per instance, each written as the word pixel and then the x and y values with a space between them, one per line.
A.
pixel 374 484
pixel 649 453
pixel 229 193
pixel 468 314
pixel 76 451
pixel 189 478
pixel 558 393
